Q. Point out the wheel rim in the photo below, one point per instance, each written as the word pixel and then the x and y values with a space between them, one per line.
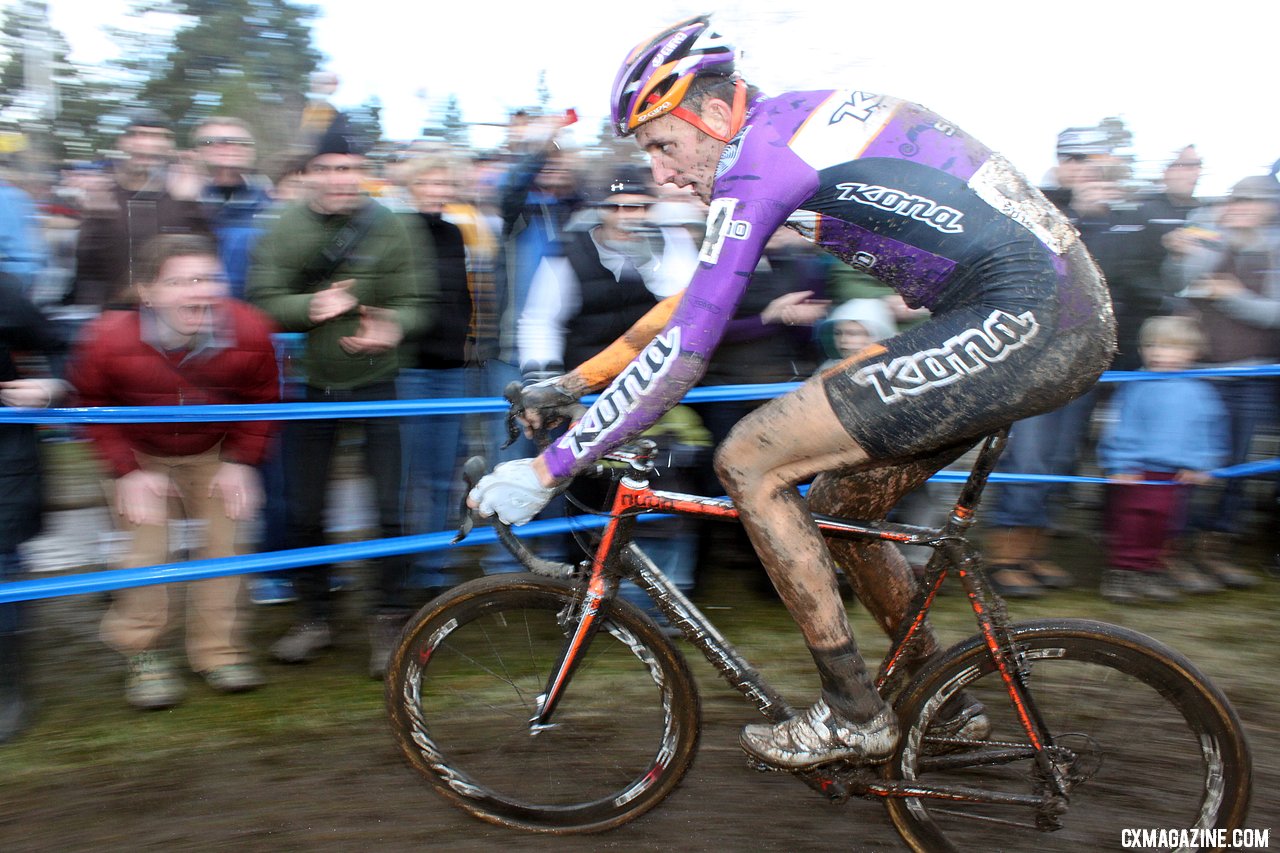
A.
pixel 470 688
pixel 1134 760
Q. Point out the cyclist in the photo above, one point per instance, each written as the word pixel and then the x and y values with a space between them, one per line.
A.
pixel 1020 323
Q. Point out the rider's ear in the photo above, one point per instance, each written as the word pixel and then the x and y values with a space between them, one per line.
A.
pixel 717 115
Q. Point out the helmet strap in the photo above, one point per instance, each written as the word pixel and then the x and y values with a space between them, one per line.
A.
pixel 736 118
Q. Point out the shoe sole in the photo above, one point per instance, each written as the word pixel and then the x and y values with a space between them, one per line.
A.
pixel 755 760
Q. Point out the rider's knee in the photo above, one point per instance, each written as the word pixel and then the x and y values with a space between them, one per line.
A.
pixel 728 465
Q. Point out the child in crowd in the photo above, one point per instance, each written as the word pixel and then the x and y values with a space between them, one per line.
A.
pixel 1168 431
pixel 853 325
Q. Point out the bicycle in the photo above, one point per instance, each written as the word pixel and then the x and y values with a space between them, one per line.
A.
pixel 542 701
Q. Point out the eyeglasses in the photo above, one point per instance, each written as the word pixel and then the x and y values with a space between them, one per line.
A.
pixel 1190 164
pixel 627 205
pixel 178 282
pixel 345 168
pixel 242 141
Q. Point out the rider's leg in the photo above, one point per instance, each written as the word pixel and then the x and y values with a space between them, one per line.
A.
pixel 779 445
pixel 879 574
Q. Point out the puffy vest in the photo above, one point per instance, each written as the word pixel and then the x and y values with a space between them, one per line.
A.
pixel 608 306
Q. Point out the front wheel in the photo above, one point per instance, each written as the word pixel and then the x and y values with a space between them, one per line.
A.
pixel 465 682
pixel 1143 740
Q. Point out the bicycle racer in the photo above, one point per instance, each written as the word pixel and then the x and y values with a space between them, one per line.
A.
pixel 1020 324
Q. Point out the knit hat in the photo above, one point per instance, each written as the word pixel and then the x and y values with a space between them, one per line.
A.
pixel 340 138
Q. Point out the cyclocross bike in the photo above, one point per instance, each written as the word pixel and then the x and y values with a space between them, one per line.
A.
pixel 544 702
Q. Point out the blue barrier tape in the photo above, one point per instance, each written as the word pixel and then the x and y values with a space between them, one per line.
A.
pixel 405 408
pixel 276 561
pixel 283 560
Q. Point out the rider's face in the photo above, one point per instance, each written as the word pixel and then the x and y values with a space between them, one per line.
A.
pixel 680 154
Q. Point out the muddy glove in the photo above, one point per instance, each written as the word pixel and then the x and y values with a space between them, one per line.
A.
pixel 512 491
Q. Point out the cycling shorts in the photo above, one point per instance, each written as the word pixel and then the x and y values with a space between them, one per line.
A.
pixel 1019 344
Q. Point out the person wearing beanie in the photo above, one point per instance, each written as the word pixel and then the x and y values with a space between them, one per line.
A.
pixel 352 276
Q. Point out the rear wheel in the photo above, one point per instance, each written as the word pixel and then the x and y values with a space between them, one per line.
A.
pixel 465 681
pixel 1143 738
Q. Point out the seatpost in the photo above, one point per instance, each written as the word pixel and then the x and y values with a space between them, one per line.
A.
pixel 962 516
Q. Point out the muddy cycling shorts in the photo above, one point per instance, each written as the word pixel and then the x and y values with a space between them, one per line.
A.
pixel 1019 345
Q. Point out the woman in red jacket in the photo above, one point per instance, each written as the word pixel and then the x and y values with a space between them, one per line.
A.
pixel 187 344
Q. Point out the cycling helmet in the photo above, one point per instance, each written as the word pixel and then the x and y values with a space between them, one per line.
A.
pixel 657 73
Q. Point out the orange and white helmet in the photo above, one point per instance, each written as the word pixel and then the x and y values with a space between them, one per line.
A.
pixel 657 73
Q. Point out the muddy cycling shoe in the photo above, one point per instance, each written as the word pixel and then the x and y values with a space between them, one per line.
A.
pixel 819 736
pixel 949 734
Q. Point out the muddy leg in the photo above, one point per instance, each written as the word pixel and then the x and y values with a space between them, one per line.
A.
pixel 760 463
pixel 877 571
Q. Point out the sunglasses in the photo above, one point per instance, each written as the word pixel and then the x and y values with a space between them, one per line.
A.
pixel 1193 164
pixel 225 140
pixel 627 205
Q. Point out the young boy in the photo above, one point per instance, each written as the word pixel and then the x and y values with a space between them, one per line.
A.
pixel 1168 431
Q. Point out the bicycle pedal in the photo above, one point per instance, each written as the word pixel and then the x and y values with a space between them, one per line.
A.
pixel 760 766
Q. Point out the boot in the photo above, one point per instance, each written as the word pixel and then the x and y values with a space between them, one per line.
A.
pixel 1183 573
pixel 1009 551
pixel 15 707
pixel 1213 557
pixel 1046 572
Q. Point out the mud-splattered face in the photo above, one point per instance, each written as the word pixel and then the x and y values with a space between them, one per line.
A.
pixel 680 154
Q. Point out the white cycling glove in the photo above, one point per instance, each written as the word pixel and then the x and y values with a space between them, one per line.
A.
pixel 512 491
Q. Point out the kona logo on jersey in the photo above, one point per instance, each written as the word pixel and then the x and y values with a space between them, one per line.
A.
pixel 623 396
pixel 722 226
pixel 917 207
pixel 860 106
pixel 971 351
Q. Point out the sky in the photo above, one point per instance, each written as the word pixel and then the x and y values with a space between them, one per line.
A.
pixel 1013 73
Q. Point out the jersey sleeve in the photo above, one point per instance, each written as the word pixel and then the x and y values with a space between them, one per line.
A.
pixel 757 187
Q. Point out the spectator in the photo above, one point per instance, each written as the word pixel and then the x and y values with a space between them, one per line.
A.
pixel 141 196
pixel 1165 213
pixel 436 368
pixel 538 194
pixel 187 344
pixel 23 255
pixel 611 267
pixel 853 326
pixel 1228 265
pixel 1172 431
pixel 234 195
pixel 349 273
pixel 22 328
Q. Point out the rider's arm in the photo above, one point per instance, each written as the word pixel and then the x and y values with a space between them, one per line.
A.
pixel 601 368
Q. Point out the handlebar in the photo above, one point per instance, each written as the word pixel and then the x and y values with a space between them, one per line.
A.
pixel 472 471
pixel 637 457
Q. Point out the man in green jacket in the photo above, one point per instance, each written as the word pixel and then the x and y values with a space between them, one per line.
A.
pixel 346 271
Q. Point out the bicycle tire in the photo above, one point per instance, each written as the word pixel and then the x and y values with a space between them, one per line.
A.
pixel 462 687
pixel 1157 745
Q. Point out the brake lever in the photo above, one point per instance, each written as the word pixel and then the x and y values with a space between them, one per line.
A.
pixel 472 472
pixel 513 395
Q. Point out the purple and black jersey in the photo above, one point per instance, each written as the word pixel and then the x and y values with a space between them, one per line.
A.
pixel 888 187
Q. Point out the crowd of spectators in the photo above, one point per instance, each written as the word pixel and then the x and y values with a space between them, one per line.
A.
pixel 434 272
